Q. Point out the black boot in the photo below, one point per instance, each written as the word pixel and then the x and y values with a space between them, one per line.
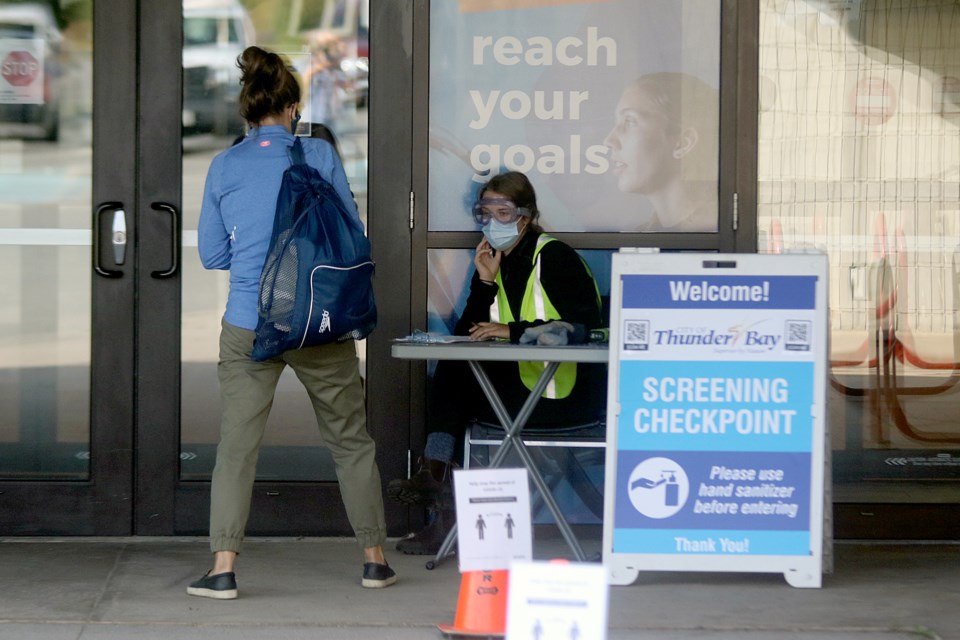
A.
pixel 426 487
pixel 428 541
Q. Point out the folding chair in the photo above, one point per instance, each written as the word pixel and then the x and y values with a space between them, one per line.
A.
pixel 555 450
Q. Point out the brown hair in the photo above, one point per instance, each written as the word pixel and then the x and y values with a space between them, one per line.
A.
pixel 268 86
pixel 515 186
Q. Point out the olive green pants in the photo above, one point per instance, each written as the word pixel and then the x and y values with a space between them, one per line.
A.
pixel 331 376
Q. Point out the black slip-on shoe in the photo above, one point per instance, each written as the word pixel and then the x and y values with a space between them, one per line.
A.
pixel 377 576
pixel 222 586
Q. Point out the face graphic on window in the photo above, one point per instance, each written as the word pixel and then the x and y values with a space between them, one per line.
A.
pixel 642 147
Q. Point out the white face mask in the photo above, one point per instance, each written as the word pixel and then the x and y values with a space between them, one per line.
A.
pixel 501 235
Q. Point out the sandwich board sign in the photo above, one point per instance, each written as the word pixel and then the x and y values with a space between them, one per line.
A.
pixel 716 415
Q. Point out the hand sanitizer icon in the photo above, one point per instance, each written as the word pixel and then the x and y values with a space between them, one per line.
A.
pixel 671 496
pixel 658 487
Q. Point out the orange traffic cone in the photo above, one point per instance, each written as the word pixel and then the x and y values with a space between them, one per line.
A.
pixel 482 605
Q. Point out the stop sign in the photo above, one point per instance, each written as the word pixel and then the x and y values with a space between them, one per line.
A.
pixel 20 68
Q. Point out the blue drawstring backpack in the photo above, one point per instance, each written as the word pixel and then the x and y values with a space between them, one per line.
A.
pixel 317 281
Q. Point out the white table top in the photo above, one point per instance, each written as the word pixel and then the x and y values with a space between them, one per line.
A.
pixel 491 350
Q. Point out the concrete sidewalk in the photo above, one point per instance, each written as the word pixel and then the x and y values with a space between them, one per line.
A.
pixel 292 589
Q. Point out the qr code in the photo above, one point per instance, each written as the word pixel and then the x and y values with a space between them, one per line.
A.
pixel 636 335
pixel 798 335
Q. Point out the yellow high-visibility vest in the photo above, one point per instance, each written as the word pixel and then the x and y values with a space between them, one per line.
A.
pixel 536 305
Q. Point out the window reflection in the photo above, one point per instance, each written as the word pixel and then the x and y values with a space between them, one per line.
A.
pixel 859 156
pixel 45 191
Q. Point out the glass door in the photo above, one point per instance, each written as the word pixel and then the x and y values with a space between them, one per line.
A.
pixel 110 113
pixel 67 160
pixel 326 42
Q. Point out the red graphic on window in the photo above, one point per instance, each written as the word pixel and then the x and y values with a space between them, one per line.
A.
pixel 873 101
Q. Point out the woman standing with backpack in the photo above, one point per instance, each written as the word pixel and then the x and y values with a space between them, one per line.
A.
pixel 236 222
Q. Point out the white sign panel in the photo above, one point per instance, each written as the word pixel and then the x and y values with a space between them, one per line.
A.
pixel 715 453
pixel 21 71
pixel 493 518
pixel 557 600
pixel 566 91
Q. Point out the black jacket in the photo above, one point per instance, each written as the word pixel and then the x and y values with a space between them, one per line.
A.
pixel 565 279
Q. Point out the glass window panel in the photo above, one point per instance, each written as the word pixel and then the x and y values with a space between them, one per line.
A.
pixel 611 108
pixel 859 156
pixel 45 195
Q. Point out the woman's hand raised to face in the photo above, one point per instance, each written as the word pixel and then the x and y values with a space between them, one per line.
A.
pixel 487 261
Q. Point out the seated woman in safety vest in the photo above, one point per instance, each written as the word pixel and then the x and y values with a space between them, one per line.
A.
pixel 524 279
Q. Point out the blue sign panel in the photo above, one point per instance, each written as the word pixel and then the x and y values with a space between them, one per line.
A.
pixel 715 406
pixel 715 429
pixel 718 292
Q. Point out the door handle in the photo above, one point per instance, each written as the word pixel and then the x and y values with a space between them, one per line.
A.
pixel 118 238
pixel 175 240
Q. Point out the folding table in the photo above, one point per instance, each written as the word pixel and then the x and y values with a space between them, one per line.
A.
pixel 476 352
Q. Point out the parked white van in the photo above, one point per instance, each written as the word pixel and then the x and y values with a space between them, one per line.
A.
pixel 215 32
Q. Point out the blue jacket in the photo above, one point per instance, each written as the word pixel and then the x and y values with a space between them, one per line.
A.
pixel 239 201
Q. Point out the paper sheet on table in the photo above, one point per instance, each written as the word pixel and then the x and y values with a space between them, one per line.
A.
pixel 425 337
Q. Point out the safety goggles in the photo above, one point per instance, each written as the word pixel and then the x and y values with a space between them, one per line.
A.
pixel 499 209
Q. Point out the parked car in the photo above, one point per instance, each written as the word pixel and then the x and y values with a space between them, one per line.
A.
pixel 215 32
pixel 29 46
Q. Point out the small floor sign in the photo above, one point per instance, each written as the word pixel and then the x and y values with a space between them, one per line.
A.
pixel 557 600
pixel 493 518
pixel 715 444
